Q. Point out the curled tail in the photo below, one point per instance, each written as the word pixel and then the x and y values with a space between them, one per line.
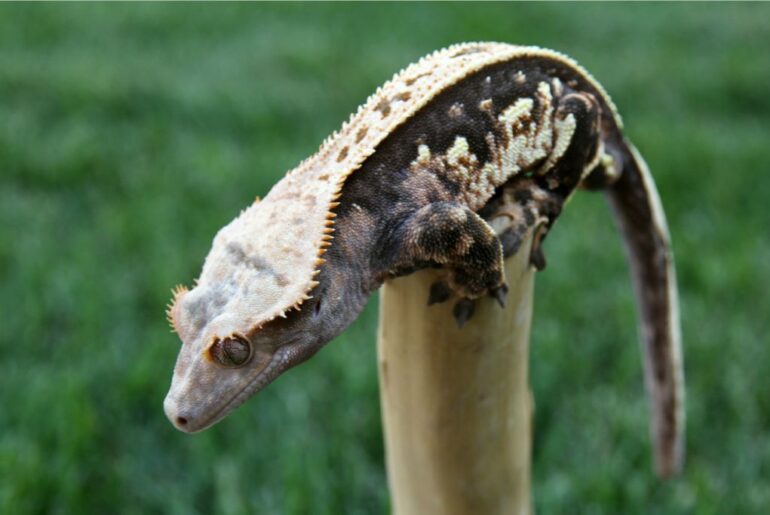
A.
pixel 642 223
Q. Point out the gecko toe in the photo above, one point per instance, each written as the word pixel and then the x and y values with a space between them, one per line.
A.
pixel 536 254
pixel 463 311
pixel 537 258
pixel 500 294
pixel 439 292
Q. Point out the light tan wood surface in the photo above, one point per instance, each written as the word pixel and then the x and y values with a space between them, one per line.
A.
pixel 456 403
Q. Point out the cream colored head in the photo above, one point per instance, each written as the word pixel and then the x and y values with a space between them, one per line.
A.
pixel 234 324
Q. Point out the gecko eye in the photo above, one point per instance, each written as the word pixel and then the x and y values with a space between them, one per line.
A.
pixel 233 351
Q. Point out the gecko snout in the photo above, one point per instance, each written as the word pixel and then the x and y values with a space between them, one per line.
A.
pixel 178 417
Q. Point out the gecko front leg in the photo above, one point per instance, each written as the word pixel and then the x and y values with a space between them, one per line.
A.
pixel 535 201
pixel 451 235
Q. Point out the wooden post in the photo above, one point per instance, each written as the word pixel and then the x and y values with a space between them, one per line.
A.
pixel 456 403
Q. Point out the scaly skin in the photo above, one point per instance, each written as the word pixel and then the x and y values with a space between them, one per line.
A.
pixel 406 184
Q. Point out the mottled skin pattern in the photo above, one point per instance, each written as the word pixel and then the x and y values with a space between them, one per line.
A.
pixel 411 205
pixel 407 216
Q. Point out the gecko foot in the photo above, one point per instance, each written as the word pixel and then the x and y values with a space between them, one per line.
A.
pixel 439 292
pixel 537 258
pixel 463 311
pixel 536 255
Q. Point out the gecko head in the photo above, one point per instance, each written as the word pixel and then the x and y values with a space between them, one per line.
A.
pixel 257 309
pixel 221 364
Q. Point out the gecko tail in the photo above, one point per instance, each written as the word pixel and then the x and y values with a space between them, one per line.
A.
pixel 642 223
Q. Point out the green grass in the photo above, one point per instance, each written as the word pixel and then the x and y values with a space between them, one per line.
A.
pixel 130 133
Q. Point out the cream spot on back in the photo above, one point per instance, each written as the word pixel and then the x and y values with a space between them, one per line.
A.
pixel 458 150
pixel 456 110
pixel 558 88
pixel 520 109
pixel 423 154
pixel 565 129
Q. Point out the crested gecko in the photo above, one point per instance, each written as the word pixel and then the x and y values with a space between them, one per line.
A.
pixel 404 185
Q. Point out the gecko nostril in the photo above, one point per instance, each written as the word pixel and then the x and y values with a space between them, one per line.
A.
pixel 181 421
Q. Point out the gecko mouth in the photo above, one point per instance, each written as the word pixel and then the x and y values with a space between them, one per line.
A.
pixel 277 364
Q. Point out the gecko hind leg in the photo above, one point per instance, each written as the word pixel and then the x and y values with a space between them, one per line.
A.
pixel 451 235
pixel 523 206
pixel 585 156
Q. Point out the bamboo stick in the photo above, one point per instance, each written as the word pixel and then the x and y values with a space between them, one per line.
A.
pixel 456 403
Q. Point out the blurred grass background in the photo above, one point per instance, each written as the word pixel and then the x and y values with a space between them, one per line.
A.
pixel 130 133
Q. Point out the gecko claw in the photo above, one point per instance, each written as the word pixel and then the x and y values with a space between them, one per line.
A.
pixel 463 311
pixel 439 292
pixel 537 258
pixel 500 294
